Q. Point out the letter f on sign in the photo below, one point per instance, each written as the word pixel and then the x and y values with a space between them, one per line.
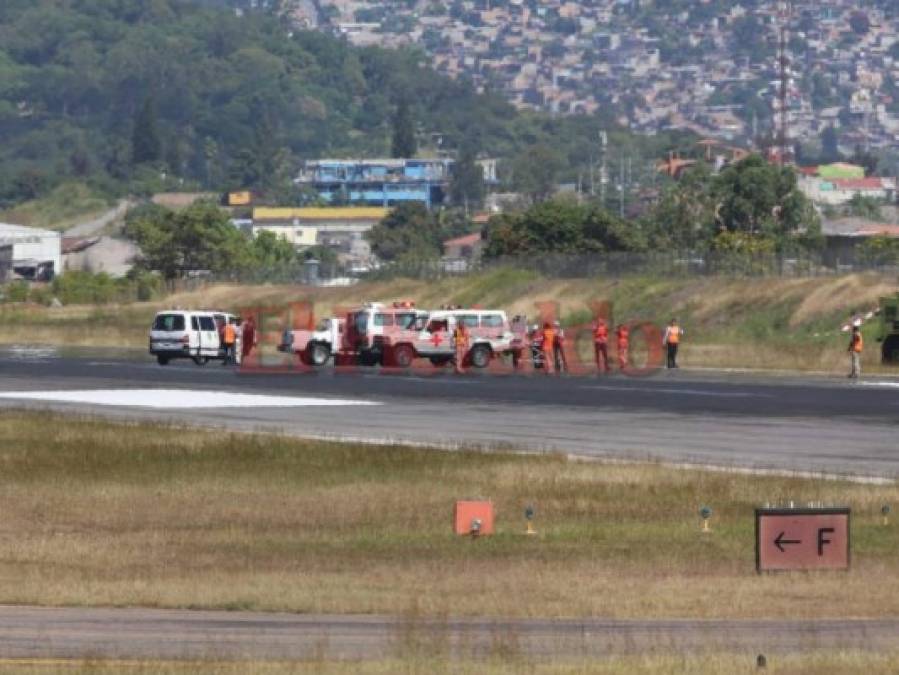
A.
pixel 822 539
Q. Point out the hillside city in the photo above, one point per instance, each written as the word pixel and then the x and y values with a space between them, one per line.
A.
pixel 711 67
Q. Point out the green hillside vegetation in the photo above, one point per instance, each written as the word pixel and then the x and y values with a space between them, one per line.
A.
pixel 65 205
pixel 137 97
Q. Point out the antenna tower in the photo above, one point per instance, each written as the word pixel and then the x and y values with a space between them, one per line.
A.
pixel 784 64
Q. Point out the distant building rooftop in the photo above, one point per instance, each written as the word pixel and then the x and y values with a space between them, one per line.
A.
pixel 321 213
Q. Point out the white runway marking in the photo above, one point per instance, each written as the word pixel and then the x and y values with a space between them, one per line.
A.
pixel 686 392
pixel 177 398
pixel 881 383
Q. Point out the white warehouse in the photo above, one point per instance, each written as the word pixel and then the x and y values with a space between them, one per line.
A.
pixel 29 253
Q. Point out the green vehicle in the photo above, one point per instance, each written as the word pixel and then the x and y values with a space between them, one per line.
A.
pixel 888 335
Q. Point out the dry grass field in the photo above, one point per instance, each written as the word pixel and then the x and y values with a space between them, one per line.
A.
pixel 844 663
pixel 96 513
pixel 790 324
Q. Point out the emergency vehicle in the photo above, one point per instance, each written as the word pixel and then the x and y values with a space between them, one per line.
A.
pixel 187 334
pixel 380 334
pixel 489 335
pixel 314 347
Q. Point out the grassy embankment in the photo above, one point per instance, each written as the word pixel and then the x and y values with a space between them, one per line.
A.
pixel 750 323
pixel 96 513
pixel 67 205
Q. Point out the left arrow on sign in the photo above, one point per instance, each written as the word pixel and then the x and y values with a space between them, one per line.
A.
pixel 780 541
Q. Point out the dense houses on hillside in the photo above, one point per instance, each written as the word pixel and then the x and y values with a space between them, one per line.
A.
pixel 713 69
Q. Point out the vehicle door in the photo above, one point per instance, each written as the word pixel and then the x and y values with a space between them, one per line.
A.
pixel 208 338
pixel 493 329
pixel 435 338
pixel 168 331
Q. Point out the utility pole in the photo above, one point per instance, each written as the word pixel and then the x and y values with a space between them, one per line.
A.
pixel 620 187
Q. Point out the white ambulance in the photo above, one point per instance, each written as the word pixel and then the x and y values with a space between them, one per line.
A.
pixel 489 336
pixel 381 334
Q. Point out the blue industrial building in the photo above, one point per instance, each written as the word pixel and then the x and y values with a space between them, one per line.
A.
pixel 378 182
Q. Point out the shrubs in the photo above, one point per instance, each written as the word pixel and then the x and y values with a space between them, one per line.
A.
pixel 84 288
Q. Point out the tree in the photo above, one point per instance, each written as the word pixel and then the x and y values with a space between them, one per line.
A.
pixel 467 186
pixel 760 199
pixel 879 250
pixel 403 144
pixel 146 145
pixel 535 172
pixel 684 216
pixel 864 207
pixel 408 232
pixel 560 226
pixel 198 238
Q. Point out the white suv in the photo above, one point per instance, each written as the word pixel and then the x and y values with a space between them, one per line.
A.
pixel 182 334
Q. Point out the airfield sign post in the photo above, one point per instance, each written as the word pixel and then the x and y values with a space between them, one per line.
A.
pixel 801 539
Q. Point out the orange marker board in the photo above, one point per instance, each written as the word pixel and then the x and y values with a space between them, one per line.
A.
pixel 467 511
pixel 802 539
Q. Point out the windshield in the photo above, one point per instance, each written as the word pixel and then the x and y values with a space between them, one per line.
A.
pixel 169 322
pixel 360 322
pixel 405 320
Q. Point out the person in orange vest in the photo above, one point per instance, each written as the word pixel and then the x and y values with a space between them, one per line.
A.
pixel 623 335
pixel 601 345
pixel 549 348
pixel 671 340
pixel 460 341
pixel 229 338
pixel 248 337
pixel 856 344
pixel 559 359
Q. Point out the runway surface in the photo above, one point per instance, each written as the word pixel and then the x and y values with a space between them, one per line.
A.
pixel 810 424
pixel 75 633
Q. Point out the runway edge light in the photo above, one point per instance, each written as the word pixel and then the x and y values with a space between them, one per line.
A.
pixel 529 517
pixel 705 513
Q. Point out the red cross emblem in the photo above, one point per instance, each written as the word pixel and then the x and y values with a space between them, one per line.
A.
pixel 436 338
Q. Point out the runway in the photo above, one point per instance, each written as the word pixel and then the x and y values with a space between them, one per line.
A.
pixel 142 634
pixel 809 424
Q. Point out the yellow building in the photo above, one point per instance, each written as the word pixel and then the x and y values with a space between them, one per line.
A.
pixel 340 227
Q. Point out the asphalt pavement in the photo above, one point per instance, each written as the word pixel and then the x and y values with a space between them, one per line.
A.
pixel 780 423
pixel 82 633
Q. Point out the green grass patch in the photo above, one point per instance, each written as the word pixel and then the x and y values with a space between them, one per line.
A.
pixel 102 513
pixel 65 206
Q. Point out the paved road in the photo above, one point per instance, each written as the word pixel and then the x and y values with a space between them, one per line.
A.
pixel 74 633
pixel 812 424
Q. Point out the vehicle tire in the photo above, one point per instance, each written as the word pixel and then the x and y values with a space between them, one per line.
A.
pixel 479 356
pixel 317 354
pixel 200 360
pixel 890 350
pixel 402 356
pixel 369 359
pixel 162 360
pixel 440 361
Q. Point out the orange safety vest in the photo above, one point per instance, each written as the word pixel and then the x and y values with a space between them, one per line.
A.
pixel 673 335
pixel 601 333
pixel 229 334
pixel 857 343
pixel 461 336
pixel 623 336
pixel 549 339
